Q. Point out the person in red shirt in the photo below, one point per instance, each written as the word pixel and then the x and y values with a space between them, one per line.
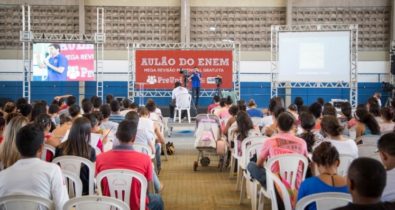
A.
pixel 123 157
pixel 216 100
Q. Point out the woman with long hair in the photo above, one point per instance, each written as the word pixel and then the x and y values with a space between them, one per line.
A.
pixel 8 152
pixel 307 123
pixel 326 159
pixel 245 128
pixel 366 124
pixel 333 130
pixel 78 144
pixel 386 125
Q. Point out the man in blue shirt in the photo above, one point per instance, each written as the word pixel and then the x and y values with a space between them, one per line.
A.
pixel 56 63
pixel 195 77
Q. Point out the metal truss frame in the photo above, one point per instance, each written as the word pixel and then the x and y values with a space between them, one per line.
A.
pixel 274 52
pixel 28 37
pixel 133 91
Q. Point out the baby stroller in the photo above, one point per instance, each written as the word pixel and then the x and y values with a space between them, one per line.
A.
pixel 207 133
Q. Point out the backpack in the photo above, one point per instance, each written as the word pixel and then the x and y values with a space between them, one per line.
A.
pixel 170 148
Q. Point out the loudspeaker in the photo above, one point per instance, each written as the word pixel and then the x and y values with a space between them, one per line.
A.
pixel 392 62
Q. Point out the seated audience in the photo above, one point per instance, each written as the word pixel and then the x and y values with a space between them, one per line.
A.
pixel 269 118
pixel 273 128
pixel 64 109
pixel 116 112
pixel 109 98
pixel 386 125
pixel 87 106
pixel 128 106
pixel 326 160
pixel 252 109
pixel 233 110
pixel 25 109
pixel 386 146
pixel 333 130
pixel 155 113
pixel 346 119
pixel 47 180
pixel 44 122
pixel 64 126
pixel 215 104
pixel 105 123
pixel 307 123
pixel 96 102
pixel 8 150
pixel 374 109
pixel 242 105
pixel 282 143
pixel 123 157
pixel 245 129
pixel 78 144
pixel 74 111
pixel 320 101
pixel 38 108
pixel 293 109
pixel 223 113
pixel 298 101
pixel 53 112
pixel 329 109
pixel 316 110
pixel 366 124
pixel 366 180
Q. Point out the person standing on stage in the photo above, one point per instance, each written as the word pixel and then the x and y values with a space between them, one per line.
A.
pixel 56 63
pixel 195 77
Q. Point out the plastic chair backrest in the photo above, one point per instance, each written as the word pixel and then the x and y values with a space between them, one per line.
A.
pixel 271 181
pixel 288 166
pixel 345 161
pixel 96 203
pixel 73 164
pixel 120 182
pixel 256 142
pixel 26 202
pixel 47 148
pixel 74 184
pixel 144 149
pixel 327 200
pixel 183 101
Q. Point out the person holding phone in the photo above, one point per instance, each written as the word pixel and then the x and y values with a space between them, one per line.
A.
pixel 195 77
pixel 57 64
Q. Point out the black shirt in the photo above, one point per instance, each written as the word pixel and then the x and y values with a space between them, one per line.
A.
pixel 378 206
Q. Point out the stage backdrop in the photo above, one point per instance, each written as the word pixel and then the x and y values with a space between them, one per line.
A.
pixel 160 69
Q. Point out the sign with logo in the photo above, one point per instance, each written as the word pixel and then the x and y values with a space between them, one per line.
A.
pixel 160 69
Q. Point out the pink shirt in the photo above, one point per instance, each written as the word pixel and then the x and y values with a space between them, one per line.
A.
pixel 284 143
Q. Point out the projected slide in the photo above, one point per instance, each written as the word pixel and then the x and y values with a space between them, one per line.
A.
pixel 314 56
pixel 63 62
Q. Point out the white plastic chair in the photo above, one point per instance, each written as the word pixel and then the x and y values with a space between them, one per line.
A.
pixel 288 166
pixel 345 161
pixel 323 201
pixel 183 102
pixel 144 149
pixel 47 148
pixel 26 202
pixel 74 184
pixel 73 164
pixel 96 203
pixel 120 182
pixel 273 180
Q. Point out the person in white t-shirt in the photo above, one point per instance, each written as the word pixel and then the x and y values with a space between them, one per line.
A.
pixel 30 175
pixel 178 89
pixel 331 127
pixel 386 146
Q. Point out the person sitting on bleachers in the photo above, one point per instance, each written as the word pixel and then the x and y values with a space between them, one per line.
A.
pixel 333 130
pixel 366 180
pixel 282 143
pixel 326 160
pixel 386 146
pixel 366 124
pixel 215 104
pixel 386 125
pixel 78 144
pixel 123 157
pixel 252 109
pixel 30 175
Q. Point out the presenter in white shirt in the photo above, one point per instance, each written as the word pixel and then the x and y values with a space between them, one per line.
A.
pixel 178 89
pixel 30 175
